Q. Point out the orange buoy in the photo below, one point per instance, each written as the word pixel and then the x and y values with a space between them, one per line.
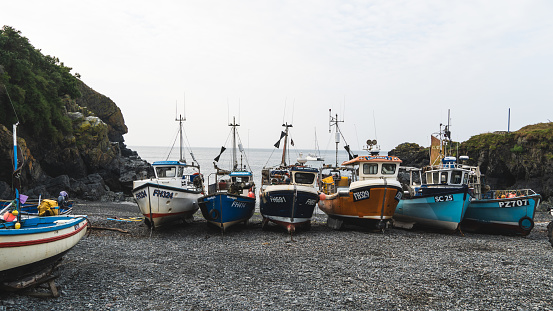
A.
pixel 9 217
pixel 251 194
pixel 322 196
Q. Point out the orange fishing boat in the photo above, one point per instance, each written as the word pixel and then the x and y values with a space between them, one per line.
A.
pixel 363 191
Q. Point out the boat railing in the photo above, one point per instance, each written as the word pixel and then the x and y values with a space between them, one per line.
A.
pixel 502 194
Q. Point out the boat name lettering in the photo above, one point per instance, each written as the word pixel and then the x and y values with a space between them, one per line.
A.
pixel 521 202
pixel 141 195
pixel 163 194
pixel 361 195
pixel 239 204
pixel 310 202
pixel 278 199
pixel 443 198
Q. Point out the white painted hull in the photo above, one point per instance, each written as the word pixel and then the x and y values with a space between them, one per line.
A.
pixel 30 246
pixel 161 204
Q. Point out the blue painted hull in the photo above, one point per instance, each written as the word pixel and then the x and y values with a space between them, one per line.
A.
pixel 503 216
pixel 443 209
pixel 225 210
pixel 288 207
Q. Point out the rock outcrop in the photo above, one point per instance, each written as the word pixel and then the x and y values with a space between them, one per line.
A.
pixel 91 164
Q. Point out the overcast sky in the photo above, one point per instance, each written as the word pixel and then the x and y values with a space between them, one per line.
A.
pixel 390 69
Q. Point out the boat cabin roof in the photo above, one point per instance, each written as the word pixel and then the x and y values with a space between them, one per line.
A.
pixel 169 163
pixel 371 158
pixel 240 174
pixel 304 169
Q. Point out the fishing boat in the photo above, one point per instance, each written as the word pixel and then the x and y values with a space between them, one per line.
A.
pixel 363 191
pixel 288 193
pixel 172 195
pixel 29 246
pixel 231 197
pixel 438 195
pixel 498 211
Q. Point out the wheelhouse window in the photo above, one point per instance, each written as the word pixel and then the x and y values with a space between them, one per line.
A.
pixel 166 171
pixel 304 178
pixel 443 178
pixel 388 169
pixel 456 177
pixel 370 168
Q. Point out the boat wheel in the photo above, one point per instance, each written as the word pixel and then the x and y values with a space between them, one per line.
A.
pixel 550 232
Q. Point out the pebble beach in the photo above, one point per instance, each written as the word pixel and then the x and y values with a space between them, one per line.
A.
pixel 192 266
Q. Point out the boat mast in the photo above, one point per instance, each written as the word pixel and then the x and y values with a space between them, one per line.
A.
pixel 17 206
pixel 283 161
pixel 334 121
pixel 234 157
pixel 180 119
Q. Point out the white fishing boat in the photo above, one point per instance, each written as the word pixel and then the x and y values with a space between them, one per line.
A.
pixel 174 191
pixel 30 245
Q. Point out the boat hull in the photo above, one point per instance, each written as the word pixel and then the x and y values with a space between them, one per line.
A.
pixel 40 242
pixel 162 204
pixel 225 210
pixel 503 216
pixel 443 210
pixel 369 205
pixel 289 206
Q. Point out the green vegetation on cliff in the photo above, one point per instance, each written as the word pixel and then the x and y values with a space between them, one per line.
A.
pixel 36 85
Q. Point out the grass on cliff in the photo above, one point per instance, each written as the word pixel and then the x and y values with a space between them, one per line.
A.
pixel 539 135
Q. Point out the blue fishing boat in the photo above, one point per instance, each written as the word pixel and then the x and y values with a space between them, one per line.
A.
pixel 438 195
pixel 499 211
pixel 288 193
pixel 231 198
pixel 440 202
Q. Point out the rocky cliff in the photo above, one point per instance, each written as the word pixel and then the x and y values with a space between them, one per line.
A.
pixel 92 163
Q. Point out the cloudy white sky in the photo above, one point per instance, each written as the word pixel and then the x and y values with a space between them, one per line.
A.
pixel 390 69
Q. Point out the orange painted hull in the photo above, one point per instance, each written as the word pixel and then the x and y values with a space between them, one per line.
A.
pixel 380 205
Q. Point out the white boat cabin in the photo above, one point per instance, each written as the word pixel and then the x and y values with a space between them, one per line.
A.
pixel 176 173
pixel 375 166
pixel 296 175
pixel 359 169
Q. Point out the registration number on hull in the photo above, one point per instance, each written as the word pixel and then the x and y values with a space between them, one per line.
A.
pixel 443 198
pixel 361 195
pixel 515 203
